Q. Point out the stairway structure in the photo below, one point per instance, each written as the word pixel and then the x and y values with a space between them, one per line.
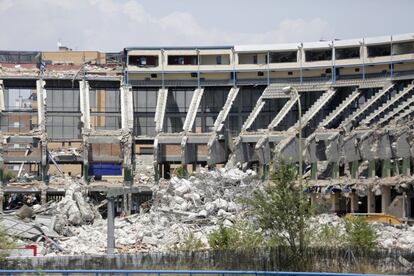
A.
pixel 340 108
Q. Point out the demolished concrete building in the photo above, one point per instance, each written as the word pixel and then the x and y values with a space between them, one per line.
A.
pixel 101 114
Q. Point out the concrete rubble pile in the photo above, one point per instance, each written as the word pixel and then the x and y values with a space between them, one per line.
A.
pixel 73 209
pixel 181 206
pixel 389 237
pixel 52 220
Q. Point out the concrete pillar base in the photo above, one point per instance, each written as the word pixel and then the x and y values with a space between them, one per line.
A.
pixel 371 202
pixel 385 198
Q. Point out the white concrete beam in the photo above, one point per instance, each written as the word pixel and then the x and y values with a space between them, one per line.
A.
pixel 127 108
pixel 84 104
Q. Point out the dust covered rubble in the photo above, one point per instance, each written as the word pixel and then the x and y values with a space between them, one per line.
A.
pixel 389 236
pixel 181 206
pixel 73 209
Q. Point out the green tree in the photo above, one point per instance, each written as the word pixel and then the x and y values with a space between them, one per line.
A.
pixel 282 209
pixel 360 234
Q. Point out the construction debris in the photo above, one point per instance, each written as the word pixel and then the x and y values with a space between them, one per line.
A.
pixel 181 206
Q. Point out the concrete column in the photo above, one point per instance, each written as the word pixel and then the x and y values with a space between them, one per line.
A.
pixel 354 202
pixel 354 169
pixel 406 166
pixel 371 202
pixel 314 170
pixel 386 168
pixel 334 202
pixel 43 196
pixel 385 198
pixel 1 199
pixel 85 162
pixel 371 168
pixel 111 227
pixel 335 170
pixel 127 204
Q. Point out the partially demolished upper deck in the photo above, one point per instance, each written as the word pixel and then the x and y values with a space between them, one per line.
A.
pixel 209 105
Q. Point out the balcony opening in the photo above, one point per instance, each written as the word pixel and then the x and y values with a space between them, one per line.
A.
pixel 214 59
pixel 318 55
pixel 143 61
pixel 403 48
pixel 182 60
pixel 347 53
pixel 280 57
pixel 379 50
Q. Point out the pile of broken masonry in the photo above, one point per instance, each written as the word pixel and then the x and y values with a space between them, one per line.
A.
pixel 196 205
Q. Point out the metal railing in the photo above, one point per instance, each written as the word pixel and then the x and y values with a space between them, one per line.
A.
pixel 177 272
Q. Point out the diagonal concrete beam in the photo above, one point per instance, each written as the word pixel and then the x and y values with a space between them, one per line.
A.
pixel 192 110
pixel 84 104
pixel 160 109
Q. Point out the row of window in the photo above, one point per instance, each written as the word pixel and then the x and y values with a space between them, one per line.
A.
pixel 276 57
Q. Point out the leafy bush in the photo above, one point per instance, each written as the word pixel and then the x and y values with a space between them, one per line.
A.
pixel 360 234
pixel 6 243
pixel 191 243
pixel 181 172
pixel 223 238
pixel 331 236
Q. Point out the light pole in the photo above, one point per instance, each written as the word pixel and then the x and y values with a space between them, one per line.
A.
pixel 289 90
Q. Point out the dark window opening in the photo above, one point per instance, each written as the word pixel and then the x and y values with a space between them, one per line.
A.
pixel 318 55
pixel 280 57
pixel 182 60
pixel 290 73
pixel 379 50
pixel 346 53
pixel 194 75
pixel 255 59
pixel 154 76
pixel 403 48
pixel 218 59
pixel 356 69
pixel 328 70
pixel 143 61
pixel 260 74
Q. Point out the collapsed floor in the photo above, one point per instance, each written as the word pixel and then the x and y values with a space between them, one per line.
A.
pixel 198 205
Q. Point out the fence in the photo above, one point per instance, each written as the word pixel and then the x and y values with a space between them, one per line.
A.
pixel 261 259
pixel 176 272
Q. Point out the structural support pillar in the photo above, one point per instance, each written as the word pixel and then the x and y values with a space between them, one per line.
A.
pixel 406 166
pixel 370 202
pixel 371 168
pixel 335 169
pixel 43 196
pixel 85 161
pixel 386 168
pixel 354 169
pixel 354 202
pixel 1 198
pixel 314 171
pixel 334 202
pixel 111 226
pixel 385 198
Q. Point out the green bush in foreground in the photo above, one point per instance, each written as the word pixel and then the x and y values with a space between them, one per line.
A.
pixel 360 234
pixel 6 244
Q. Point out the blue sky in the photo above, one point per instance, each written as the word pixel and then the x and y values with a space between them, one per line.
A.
pixel 110 25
